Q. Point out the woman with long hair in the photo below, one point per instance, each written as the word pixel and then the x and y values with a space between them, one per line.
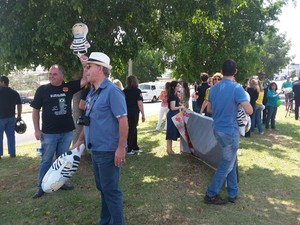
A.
pixel 256 117
pixel 134 101
pixel 253 92
pixel 271 106
pixel 118 83
pixel 174 107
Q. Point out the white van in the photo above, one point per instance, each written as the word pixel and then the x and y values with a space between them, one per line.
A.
pixel 151 90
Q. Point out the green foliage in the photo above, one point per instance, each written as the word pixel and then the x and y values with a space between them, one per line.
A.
pixel 39 32
pixel 148 65
pixel 227 29
pixel 274 55
pixel 194 36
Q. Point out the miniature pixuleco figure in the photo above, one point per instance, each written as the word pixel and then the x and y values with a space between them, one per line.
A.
pixel 80 44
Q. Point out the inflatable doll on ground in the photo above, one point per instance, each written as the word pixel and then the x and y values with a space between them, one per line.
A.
pixel 80 44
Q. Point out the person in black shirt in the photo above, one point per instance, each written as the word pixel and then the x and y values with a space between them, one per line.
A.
pixel 201 90
pixel 253 92
pixel 134 102
pixel 56 134
pixel 9 98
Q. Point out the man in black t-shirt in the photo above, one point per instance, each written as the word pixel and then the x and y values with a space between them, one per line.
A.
pixel 201 90
pixel 9 98
pixel 55 100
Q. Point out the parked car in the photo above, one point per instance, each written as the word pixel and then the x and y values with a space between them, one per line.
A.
pixel 151 90
pixel 25 100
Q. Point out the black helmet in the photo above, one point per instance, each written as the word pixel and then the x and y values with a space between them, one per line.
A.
pixel 20 127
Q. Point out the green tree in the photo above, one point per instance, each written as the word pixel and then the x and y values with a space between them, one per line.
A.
pixel 148 65
pixel 274 54
pixel 195 35
pixel 224 29
pixel 37 32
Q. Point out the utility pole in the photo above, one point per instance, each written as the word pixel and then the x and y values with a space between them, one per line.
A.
pixel 129 67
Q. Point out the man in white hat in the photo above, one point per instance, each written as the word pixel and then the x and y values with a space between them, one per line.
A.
pixel 105 133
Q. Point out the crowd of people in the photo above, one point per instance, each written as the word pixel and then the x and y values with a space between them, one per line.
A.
pixel 113 111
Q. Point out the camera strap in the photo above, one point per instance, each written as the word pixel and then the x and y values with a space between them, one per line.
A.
pixel 94 99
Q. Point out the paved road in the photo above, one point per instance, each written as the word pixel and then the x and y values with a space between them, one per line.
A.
pixel 28 136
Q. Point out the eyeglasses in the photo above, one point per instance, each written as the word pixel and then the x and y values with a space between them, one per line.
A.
pixel 217 79
pixel 89 65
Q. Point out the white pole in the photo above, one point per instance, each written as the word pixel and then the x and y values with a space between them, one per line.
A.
pixel 129 67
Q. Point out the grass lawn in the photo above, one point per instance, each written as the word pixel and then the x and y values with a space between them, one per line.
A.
pixel 160 189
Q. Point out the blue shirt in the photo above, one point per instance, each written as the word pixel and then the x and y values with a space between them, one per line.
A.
pixel 104 107
pixel 225 97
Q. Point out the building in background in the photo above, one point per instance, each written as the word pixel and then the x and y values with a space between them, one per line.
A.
pixel 291 70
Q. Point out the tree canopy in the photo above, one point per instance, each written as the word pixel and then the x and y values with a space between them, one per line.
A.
pixel 191 36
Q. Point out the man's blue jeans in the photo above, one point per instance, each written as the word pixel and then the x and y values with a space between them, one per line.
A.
pixel 107 177
pixel 7 125
pixel 52 143
pixel 226 170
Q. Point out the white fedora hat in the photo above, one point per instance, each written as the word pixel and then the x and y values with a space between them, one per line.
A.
pixel 99 58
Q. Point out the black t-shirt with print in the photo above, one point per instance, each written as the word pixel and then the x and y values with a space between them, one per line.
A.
pixel 56 104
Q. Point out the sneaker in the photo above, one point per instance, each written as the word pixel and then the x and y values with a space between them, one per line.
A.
pixel 12 156
pixel 137 151
pixel 38 194
pixel 261 133
pixel 215 200
pixel 67 187
pixel 232 199
pixel 131 153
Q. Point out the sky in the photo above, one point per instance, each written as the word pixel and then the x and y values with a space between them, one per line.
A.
pixel 289 24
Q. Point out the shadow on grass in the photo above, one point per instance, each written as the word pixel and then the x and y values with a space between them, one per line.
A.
pixel 170 190
pixel 268 197
pixel 158 189
pixel 274 141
